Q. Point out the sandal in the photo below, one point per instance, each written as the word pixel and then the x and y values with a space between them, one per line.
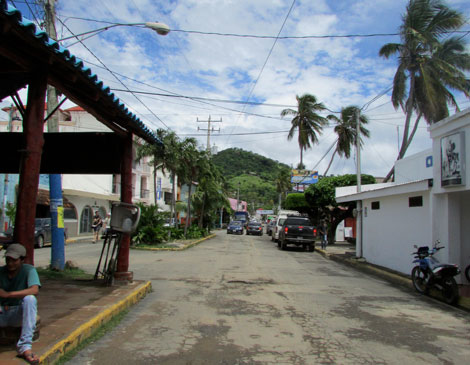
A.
pixel 29 357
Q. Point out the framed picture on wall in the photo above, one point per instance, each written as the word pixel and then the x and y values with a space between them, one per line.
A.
pixel 453 160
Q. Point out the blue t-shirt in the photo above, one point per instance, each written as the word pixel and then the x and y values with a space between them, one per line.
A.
pixel 26 278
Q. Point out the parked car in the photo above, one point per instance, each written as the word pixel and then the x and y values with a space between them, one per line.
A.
pixel 281 217
pixel 297 231
pixel 270 226
pixel 254 228
pixel 42 232
pixel 235 227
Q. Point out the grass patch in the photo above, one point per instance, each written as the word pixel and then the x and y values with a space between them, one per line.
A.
pixel 69 273
pixel 100 332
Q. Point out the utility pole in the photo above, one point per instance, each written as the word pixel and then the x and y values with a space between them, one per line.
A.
pixel 209 130
pixel 238 194
pixel 358 177
pixel 55 180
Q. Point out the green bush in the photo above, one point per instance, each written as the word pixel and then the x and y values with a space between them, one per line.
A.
pixel 195 232
pixel 150 229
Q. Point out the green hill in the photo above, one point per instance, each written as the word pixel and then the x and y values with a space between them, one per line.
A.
pixel 253 174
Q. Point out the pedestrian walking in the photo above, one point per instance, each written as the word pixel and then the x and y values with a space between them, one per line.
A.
pixel 106 224
pixel 96 225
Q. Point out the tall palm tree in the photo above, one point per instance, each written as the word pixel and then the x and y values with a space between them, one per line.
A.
pixel 346 129
pixel 431 67
pixel 283 183
pixel 306 120
pixel 190 165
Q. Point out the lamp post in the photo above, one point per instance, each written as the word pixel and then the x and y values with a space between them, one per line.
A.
pixel 160 28
pixel 55 184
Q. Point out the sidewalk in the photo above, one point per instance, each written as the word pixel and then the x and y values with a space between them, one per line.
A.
pixel 346 253
pixel 70 311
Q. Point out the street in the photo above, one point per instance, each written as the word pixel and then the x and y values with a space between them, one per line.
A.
pixel 239 300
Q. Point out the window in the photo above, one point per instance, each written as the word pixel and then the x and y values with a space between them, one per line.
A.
pixel 167 198
pixel 70 213
pixel 375 205
pixel 415 201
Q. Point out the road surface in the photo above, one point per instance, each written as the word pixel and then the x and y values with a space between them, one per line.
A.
pixel 240 300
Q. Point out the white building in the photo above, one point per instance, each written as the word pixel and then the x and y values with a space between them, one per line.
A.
pixel 429 201
pixel 86 193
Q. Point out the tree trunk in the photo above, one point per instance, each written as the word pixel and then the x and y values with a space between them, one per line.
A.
pixel 172 205
pixel 331 161
pixel 201 215
pixel 406 140
pixel 155 182
pixel 188 211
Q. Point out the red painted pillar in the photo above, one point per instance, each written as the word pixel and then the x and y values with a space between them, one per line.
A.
pixel 122 274
pixel 33 134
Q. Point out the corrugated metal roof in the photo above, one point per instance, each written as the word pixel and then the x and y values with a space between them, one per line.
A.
pixel 78 65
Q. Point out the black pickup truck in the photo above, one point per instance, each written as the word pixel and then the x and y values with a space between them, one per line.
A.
pixel 298 231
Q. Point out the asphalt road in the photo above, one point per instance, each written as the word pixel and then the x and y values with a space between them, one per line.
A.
pixel 240 300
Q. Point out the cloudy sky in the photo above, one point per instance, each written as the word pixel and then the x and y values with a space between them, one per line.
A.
pixel 193 74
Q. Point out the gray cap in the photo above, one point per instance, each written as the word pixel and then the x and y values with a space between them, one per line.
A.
pixel 15 251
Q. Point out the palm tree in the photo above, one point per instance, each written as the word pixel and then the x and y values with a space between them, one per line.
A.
pixel 346 129
pixel 306 120
pixel 210 194
pixel 283 183
pixel 431 67
pixel 190 164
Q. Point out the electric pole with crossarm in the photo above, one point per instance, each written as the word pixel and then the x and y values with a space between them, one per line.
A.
pixel 209 130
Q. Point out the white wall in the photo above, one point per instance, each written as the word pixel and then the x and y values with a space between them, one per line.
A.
pixel 459 122
pixel 99 184
pixel 465 233
pixel 415 167
pixel 390 232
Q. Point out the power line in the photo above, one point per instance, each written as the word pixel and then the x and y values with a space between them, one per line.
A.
pixel 119 80
pixel 237 35
pixel 207 99
pixel 267 58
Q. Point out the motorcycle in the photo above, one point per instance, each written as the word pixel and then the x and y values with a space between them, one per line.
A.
pixel 429 273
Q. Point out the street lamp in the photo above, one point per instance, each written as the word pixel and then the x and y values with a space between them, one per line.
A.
pixel 160 28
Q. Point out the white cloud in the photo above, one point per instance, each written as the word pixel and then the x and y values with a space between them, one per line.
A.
pixel 338 71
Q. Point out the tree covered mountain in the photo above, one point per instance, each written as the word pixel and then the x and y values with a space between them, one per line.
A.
pixel 253 175
pixel 235 162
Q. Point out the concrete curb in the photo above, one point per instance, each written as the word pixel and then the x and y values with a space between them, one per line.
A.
pixel 395 278
pixel 87 329
pixel 78 239
pixel 175 248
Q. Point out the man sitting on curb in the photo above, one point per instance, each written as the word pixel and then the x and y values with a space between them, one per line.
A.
pixel 19 285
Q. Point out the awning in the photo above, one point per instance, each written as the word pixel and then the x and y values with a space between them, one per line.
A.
pixel 43 199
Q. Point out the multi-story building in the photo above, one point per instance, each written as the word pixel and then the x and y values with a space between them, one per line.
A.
pixel 83 194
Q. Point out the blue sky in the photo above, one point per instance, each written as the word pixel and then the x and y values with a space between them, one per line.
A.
pixel 338 71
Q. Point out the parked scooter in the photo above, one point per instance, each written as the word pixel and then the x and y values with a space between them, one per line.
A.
pixel 429 273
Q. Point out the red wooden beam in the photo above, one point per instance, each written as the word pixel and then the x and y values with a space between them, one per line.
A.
pixel 33 129
pixel 122 273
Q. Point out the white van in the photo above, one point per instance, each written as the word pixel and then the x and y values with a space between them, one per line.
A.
pixel 281 217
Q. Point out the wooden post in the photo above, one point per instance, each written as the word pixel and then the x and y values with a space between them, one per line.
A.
pixel 122 274
pixel 33 133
